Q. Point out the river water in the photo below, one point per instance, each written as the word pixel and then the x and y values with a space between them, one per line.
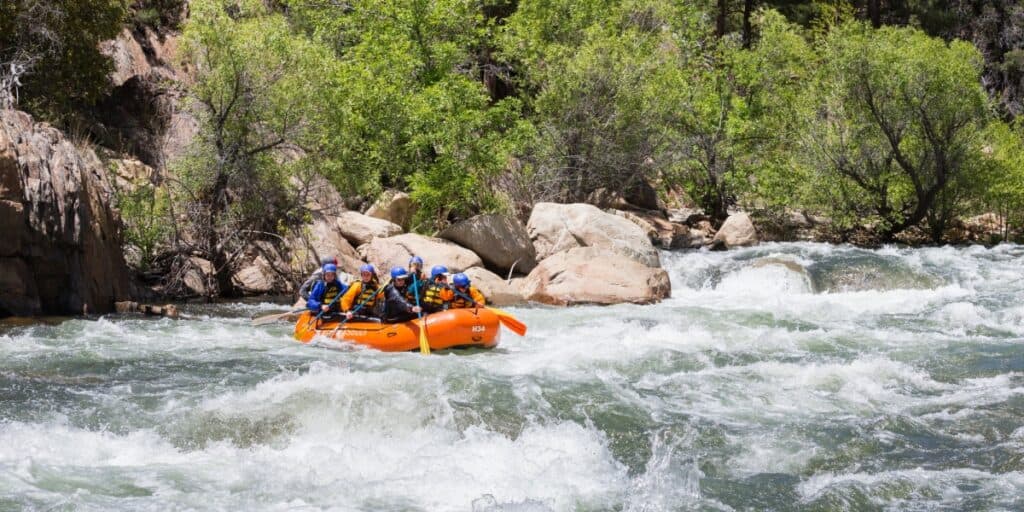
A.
pixel 785 377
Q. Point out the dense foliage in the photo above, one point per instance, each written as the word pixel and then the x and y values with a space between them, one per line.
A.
pixel 871 112
pixel 480 106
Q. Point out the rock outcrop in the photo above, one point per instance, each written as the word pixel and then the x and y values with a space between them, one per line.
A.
pixel 498 292
pixel 554 228
pixel 360 229
pixel 396 251
pixel 501 241
pixel 736 231
pixel 395 207
pixel 592 275
pixel 61 250
pixel 143 114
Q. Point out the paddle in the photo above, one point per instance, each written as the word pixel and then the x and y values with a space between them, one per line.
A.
pixel 424 343
pixel 512 323
pixel 360 306
pixel 266 319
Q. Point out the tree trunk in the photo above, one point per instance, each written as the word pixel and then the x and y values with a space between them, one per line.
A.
pixel 875 12
pixel 723 13
pixel 748 36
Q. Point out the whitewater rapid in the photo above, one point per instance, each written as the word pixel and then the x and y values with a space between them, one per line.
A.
pixel 785 377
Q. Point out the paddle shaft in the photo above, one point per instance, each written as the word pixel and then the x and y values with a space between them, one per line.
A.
pixel 424 343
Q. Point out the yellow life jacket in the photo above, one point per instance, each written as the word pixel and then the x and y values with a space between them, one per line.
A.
pixel 367 295
pixel 331 291
pixel 435 296
pixel 460 302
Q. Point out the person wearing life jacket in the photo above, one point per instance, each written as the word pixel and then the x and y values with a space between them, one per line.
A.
pixel 363 294
pixel 324 296
pixel 436 294
pixel 464 292
pixel 417 281
pixel 317 275
pixel 396 307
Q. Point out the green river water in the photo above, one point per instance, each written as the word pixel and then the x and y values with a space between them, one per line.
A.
pixel 781 377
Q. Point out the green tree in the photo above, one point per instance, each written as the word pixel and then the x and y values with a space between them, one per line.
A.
pixel 259 97
pixel 49 56
pixel 898 114
pixel 412 113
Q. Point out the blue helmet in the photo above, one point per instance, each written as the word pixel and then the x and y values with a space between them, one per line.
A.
pixel 330 267
pixel 438 270
pixel 416 260
pixel 460 279
pixel 367 268
pixel 398 272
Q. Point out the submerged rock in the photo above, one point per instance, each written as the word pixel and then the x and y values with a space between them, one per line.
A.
pixel 592 275
pixel 559 227
pixel 61 249
pixel 501 241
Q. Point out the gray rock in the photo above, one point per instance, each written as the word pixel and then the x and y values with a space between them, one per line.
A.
pixel 58 222
pixel 501 242
pixel 554 228
pixel 592 275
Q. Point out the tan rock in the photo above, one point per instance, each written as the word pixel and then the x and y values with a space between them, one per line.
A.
pixel 396 251
pixel 498 292
pixel 501 242
pixel 255 277
pixel 592 275
pixel 58 221
pixel 198 276
pixel 395 207
pixel 360 229
pixel 555 228
pixel 325 241
pixel 736 231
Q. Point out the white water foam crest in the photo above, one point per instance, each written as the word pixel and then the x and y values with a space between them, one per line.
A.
pixel 943 484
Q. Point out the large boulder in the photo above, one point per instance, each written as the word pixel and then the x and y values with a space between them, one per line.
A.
pixel 61 239
pixel 554 228
pixel 736 231
pixel 495 289
pixel 197 277
pixel 501 241
pixel 144 113
pixel 592 275
pixel 395 207
pixel 255 274
pixel 396 251
pixel 360 229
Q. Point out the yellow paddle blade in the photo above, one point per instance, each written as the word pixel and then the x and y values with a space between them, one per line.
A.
pixel 512 323
pixel 424 344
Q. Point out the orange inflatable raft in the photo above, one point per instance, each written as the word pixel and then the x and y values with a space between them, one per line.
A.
pixel 446 329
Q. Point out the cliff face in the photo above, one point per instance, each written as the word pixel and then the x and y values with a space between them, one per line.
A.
pixel 60 247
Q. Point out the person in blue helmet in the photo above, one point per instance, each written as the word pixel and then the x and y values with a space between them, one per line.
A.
pixel 363 296
pixel 315 277
pixel 417 281
pixel 397 308
pixel 466 295
pixel 326 293
pixel 436 294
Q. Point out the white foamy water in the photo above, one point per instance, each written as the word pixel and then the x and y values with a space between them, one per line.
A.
pixel 786 376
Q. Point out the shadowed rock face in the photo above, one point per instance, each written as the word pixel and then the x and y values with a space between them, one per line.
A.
pixel 60 247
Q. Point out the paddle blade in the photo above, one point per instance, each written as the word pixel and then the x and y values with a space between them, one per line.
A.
pixel 268 319
pixel 305 327
pixel 512 323
pixel 424 344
